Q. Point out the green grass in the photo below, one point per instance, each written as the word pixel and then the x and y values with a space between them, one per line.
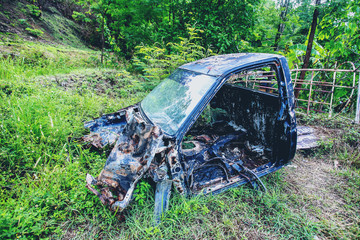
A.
pixel 24 60
pixel 47 24
pixel 42 162
pixel 47 92
pixel 62 29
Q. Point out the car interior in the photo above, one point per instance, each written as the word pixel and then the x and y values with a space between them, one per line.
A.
pixel 235 133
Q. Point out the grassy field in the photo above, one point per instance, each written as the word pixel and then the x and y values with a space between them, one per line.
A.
pixel 47 92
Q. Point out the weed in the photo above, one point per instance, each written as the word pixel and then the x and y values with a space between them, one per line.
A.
pixel 34 32
pixel 142 192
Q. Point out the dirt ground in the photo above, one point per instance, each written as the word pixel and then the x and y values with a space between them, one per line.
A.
pixel 321 193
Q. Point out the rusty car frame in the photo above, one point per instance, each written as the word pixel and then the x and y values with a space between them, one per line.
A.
pixel 213 124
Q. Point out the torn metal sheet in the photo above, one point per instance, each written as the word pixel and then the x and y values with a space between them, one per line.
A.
pixel 307 138
pixel 129 160
pixel 200 131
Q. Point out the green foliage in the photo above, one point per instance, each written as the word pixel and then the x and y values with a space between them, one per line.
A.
pixel 153 61
pixel 42 163
pixel 227 26
pixel 352 197
pixel 187 145
pixel 224 23
pixel 34 32
pixel 340 29
pixel 156 62
pixel 34 11
pixel 132 23
pixel 23 23
pixel 46 95
pixel 142 192
pixel 98 11
pixel 187 50
pixel 63 29
pixel 34 59
pixel 56 25
pixel 105 82
pixel 295 55
pixel 79 16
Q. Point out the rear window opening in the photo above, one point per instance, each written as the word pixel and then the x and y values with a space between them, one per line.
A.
pixel 235 132
pixel 262 79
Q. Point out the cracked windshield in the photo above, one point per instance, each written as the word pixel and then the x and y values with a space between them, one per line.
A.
pixel 169 104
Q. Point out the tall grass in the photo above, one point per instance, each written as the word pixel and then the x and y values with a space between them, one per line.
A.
pixel 42 163
pixel 36 63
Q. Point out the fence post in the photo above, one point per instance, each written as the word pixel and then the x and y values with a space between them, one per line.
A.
pixel 332 92
pixel 311 86
pixel 357 118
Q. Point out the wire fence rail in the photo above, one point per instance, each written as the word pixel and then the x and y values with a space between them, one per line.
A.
pixel 331 91
pixel 328 90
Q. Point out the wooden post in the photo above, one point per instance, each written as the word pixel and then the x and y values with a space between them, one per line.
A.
pixel 357 118
pixel 332 93
pixel 311 85
pixel 296 74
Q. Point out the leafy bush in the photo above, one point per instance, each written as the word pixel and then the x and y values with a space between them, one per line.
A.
pixel 34 11
pixel 34 32
pixel 142 192
pixel 79 16
pixel 23 23
pixel 158 61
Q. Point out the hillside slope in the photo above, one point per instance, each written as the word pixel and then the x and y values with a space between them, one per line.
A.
pixel 52 22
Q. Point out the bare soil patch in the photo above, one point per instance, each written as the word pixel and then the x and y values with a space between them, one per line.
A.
pixel 320 193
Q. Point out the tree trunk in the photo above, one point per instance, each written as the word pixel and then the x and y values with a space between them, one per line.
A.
pixel 284 5
pixel 102 40
pixel 309 47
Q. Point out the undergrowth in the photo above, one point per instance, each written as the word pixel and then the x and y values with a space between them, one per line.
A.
pixel 42 163
pixel 22 59
pixel 342 138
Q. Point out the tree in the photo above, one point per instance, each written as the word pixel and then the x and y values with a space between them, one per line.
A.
pixel 284 6
pixel 225 22
pixel 99 9
pixel 309 46
pixel 340 30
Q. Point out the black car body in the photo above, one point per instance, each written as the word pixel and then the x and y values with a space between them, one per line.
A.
pixel 212 125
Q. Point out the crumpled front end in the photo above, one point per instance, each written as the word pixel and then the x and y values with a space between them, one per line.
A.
pixel 136 145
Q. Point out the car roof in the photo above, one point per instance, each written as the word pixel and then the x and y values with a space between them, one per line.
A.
pixel 221 64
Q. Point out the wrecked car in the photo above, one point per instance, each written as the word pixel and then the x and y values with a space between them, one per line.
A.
pixel 213 124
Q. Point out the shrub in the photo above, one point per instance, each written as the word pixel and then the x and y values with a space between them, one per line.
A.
pixel 34 32
pixel 23 23
pixel 157 62
pixel 34 11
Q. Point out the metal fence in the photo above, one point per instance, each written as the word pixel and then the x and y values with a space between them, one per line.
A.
pixel 328 90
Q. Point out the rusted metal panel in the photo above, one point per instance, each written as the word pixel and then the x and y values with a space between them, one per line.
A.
pixel 129 160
